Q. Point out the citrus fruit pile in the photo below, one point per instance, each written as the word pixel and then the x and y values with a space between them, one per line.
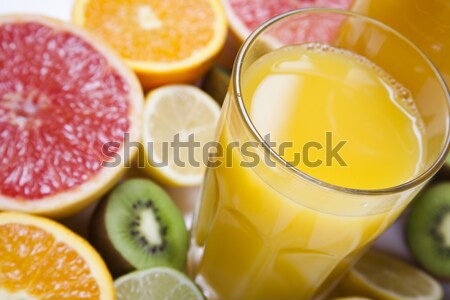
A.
pixel 72 109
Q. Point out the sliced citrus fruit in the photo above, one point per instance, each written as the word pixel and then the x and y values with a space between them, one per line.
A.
pixel 246 15
pixel 382 277
pixel 41 259
pixel 176 114
pixel 168 41
pixel 157 284
pixel 63 98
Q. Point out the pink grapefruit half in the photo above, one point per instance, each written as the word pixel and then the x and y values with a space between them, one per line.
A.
pixel 63 96
pixel 246 15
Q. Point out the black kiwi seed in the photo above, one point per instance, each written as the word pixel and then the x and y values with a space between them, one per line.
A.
pixel 428 229
pixel 138 226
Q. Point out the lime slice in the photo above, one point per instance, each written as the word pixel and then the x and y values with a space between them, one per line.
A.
pixel 156 284
pixel 379 276
pixel 176 114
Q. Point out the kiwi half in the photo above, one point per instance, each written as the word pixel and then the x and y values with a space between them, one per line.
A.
pixel 428 229
pixel 137 226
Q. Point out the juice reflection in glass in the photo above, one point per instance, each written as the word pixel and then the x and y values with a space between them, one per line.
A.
pixel 272 227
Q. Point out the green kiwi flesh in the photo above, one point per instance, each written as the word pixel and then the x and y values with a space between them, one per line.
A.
pixel 428 229
pixel 137 226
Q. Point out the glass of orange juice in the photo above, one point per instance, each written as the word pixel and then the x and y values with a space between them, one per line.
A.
pixel 332 124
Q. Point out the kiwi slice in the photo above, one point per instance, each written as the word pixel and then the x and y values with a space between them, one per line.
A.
pixel 216 82
pixel 428 229
pixel 137 226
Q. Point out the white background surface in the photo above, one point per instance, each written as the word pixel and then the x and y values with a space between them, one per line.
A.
pixel 392 241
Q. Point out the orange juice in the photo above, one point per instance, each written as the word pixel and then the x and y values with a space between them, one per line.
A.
pixel 426 23
pixel 253 242
pixel 299 95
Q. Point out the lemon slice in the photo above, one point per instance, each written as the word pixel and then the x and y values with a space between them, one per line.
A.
pixel 379 276
pixel 175 116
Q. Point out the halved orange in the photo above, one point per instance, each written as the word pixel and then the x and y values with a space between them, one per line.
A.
pixel 164 41
pixel 41 259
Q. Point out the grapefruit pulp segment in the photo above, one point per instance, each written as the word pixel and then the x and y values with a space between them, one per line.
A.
pixel 63 96
pixel 247 15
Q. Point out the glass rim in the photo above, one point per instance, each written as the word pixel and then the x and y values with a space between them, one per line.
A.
pixel 236 85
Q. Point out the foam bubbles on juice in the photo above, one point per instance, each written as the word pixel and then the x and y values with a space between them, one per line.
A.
pixel 400 94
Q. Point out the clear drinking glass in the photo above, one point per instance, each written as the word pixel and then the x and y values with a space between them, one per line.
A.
pixel 273 231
